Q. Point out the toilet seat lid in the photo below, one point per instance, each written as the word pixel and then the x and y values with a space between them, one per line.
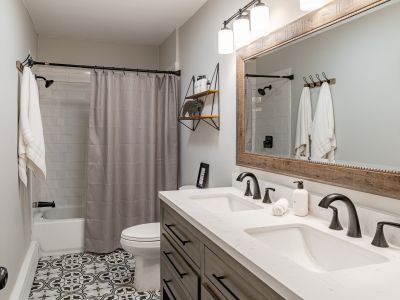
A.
pixel 149 232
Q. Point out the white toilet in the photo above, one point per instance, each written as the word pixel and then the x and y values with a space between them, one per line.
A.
pixel 143 241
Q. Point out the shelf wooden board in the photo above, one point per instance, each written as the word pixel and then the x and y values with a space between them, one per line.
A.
pixel 199 117
pixel 202 94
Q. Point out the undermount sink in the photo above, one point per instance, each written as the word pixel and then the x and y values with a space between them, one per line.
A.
pixel 314 250
pixel 222 203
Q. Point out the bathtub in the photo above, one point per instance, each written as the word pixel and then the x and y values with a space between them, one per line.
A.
pixel 59 230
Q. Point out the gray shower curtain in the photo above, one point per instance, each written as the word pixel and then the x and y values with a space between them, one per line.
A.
pixel 132 153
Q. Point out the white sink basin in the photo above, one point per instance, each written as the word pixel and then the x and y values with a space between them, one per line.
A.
pixel 222 203
pixel 313 249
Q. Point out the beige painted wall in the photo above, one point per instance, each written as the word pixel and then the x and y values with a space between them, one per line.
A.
pixel 17 39
pixel 62 50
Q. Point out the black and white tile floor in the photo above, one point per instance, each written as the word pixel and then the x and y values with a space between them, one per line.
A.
pixel 88 276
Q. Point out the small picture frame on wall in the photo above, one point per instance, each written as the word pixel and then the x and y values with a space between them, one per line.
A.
pixel 202 178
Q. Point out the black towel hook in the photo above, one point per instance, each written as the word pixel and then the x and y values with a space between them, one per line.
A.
pixel 312 79
pixel 319 79
pixel 326 78
pixel 305 80
pixel 27 60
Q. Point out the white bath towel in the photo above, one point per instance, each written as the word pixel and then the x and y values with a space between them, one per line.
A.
pixel 31 148
pixel 280 207
pixel 323 138
pixel 304 125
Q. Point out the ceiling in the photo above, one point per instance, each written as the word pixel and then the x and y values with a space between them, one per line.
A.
pixel 141 22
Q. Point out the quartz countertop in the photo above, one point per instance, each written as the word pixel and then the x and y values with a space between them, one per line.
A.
pixel 290 280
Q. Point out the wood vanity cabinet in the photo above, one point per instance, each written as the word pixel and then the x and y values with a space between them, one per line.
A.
pixel 193 267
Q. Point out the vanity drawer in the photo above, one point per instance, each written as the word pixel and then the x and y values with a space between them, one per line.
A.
pixel 210 292
pixel 231 283
pixel 180 268
pixel 182 235
pixel 170 284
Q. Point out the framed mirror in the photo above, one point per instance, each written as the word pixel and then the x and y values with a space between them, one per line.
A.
pixel 318 99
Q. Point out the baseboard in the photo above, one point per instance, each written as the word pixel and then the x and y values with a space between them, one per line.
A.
pixel 26 274
pixel 58 253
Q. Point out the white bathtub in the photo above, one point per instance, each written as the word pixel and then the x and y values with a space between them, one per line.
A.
pixel 59 230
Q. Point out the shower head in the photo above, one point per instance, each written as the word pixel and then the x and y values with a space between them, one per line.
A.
pixel 262 91
pixel 48 83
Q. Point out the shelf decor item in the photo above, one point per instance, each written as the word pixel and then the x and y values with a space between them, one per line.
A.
pixel 201 106
pixel 202 178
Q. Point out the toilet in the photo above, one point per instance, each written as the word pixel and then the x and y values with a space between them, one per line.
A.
pixel 143 241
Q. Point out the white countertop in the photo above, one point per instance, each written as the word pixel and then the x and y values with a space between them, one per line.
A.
pixel 374 282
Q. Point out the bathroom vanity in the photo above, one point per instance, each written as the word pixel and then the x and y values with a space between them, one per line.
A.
pixel 194 267
pixel 218 244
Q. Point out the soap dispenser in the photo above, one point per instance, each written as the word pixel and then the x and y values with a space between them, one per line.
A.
pixel 300 200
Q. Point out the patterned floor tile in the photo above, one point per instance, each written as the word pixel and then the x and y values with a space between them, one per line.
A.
pixel 87 276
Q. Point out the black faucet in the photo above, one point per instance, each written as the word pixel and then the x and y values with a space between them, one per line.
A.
pixel 379 238
pixel 267 197
pixel 257 194
pixel 354 225
pixel 335 223
pixel 44 204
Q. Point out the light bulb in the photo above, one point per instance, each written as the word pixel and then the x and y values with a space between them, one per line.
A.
pixel 241 29
pixel 225 41
pixel 259 17
pixel 308 5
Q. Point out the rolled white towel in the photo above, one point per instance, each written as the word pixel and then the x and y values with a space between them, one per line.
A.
pixel 280 207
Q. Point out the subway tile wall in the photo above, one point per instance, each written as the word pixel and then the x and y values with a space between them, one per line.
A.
pixel 65 115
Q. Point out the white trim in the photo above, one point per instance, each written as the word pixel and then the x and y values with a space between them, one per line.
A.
pixel 26 274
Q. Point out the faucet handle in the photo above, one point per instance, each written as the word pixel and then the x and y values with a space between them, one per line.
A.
pixel 379 238
pixel 248 189
pixel 267 198
pixel 335 223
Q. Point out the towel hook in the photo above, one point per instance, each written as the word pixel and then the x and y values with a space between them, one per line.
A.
pixel 305 80
pixel 313 82
pixel 319 79
pixel 326 78
pixel 26 59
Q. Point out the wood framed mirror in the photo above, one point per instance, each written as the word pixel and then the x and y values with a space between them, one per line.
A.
pixel 379 171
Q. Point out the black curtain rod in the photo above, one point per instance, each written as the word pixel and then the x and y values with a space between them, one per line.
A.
pixel 32 62
pixel 290 77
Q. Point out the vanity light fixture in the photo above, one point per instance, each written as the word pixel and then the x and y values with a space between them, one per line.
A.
pixel 308 5
pixel 241 30
pixel 225 40
pixel 258 17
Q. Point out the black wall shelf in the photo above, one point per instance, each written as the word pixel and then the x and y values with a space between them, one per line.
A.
pixel 210 96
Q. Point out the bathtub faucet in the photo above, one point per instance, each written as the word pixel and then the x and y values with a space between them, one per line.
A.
pixel 43 204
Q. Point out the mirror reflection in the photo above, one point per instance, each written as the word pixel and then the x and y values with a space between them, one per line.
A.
pixel 323 98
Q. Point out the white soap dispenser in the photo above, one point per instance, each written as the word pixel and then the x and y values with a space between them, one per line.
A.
pixel 300 200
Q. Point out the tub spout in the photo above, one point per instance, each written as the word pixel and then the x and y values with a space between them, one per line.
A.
pixel 44 204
